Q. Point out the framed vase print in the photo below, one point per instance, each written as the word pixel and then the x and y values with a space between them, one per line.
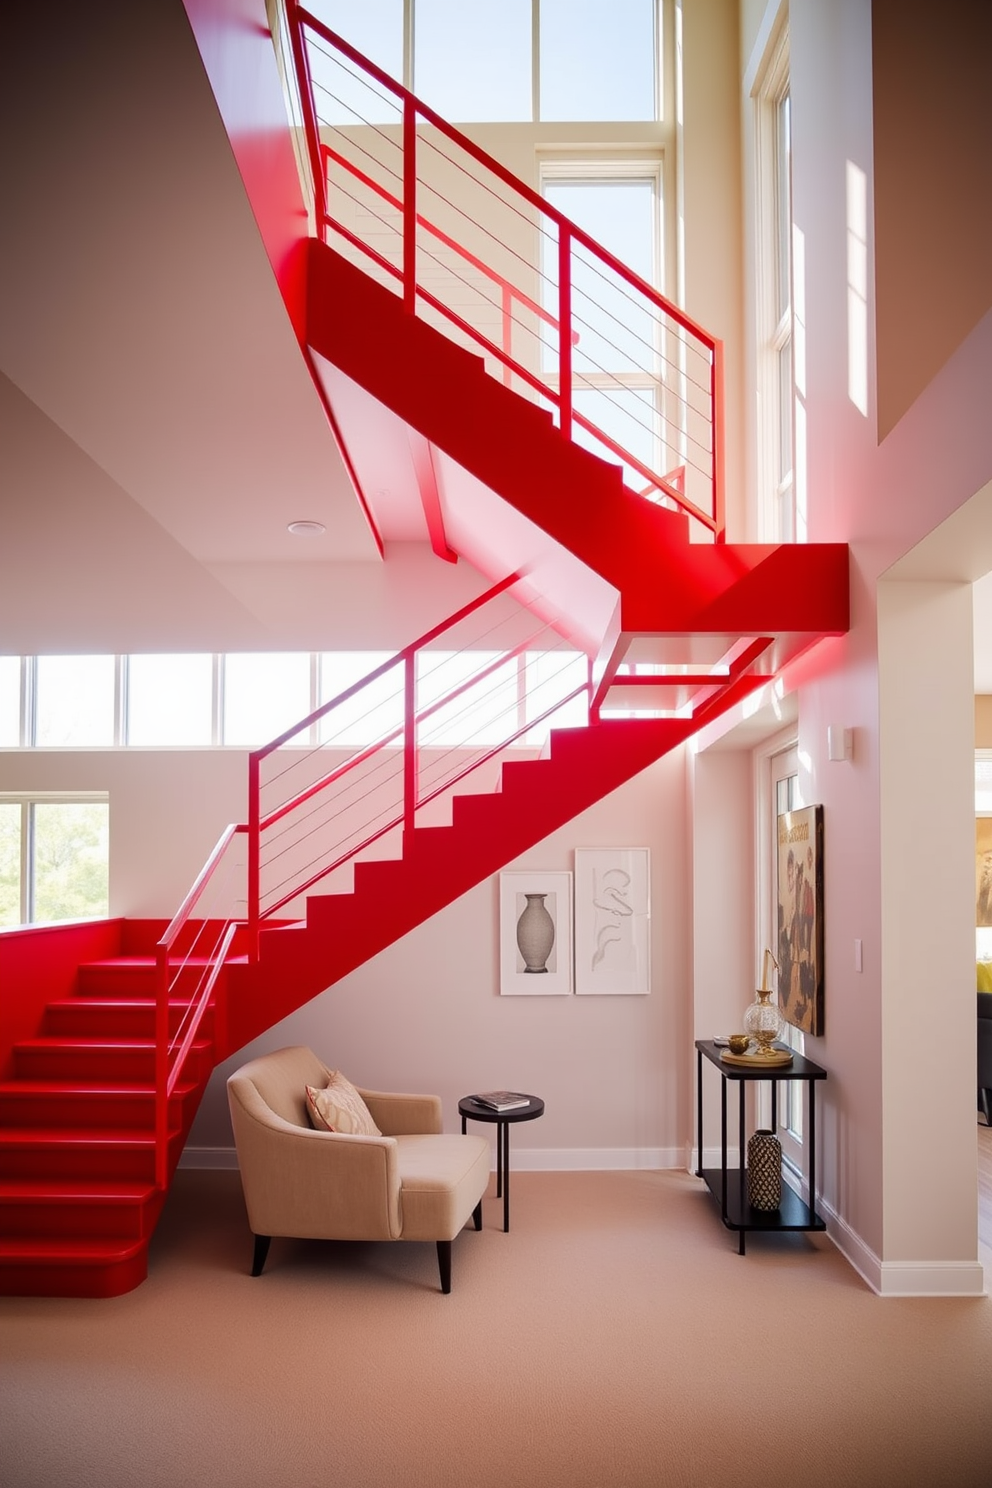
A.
pixel 613 920
pixel 535 934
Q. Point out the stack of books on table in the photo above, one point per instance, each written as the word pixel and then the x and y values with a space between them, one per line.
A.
pixel 502 1100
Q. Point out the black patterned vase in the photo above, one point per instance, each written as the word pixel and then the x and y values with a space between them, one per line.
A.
pixel 764 1171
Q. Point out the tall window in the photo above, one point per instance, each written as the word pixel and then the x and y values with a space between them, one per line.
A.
pixel 53 858
pixel 779 357
pixel 502 61
pixel 616 359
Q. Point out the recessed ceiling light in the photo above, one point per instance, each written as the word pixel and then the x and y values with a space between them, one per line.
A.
pixel 306 529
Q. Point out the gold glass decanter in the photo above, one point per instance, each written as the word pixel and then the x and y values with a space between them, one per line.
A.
pixel 762 1020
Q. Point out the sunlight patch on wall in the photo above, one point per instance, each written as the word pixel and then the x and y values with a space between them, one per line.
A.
pixel 857 288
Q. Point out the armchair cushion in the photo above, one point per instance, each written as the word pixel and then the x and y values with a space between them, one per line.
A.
pixel 339 1108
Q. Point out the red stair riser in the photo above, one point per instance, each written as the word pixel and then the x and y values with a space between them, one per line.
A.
pixel 105 979
pixel 123 1219
pixel 124 1109
pixel 85 1063
pixel 66 1160
pixel 31 1278
pixel 93 1018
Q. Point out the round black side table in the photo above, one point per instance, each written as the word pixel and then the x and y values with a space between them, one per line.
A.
pixel 471 1109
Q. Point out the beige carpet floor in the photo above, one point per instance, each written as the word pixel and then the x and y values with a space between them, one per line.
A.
pixel 613 1339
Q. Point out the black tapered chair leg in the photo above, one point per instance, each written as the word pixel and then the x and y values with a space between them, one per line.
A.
pixel 477 1215
pixel 262 1243
pixel 984 1094
pixel 444 1264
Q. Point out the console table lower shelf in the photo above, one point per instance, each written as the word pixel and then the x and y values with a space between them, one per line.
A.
pixel 729 1185
pixel 793 1213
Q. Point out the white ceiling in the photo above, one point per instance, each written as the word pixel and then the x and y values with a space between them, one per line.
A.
pixel 140 313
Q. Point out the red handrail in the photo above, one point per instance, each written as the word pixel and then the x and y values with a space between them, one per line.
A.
pixel 412 110
pixel 171 1055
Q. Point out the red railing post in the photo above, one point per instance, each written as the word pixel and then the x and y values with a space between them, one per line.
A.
pixel 409 205
pixel 507 304
pixel 719 435
pixel 409 744
pixel 162 1068
pixel 311 128
pixel 565 330
pixel 254 856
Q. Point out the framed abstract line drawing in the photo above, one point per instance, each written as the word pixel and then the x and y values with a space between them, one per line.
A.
pixel 535 934
pixel 800 918
pixel 613 920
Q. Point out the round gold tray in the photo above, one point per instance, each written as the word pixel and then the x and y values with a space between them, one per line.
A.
pixel 774 1059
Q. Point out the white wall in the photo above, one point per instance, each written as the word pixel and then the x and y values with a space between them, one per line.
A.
pixel 890 1110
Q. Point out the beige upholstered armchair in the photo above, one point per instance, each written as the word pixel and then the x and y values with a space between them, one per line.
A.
pixel 412 1182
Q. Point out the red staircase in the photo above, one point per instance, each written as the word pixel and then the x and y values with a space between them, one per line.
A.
pixel 116 1028
pixel 79 1195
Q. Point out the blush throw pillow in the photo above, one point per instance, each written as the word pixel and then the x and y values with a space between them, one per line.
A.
pixel 340 1108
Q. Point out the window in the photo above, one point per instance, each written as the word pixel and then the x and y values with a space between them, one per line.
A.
pixel 169 700
pixel 474 61
pixel 598 60
pixel 264 693
pixel 617 363
pixel 777 289
pixel 10 702
pixel 245 700
pixel 374 711
pixel 498 61
pixel 53 858
pixel 75 701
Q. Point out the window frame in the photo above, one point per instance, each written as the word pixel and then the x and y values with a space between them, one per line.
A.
pixel 28 801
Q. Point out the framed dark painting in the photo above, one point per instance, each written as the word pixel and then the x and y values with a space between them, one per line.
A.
pixel 800 918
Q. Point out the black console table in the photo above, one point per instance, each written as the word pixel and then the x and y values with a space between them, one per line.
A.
pixel 729 1186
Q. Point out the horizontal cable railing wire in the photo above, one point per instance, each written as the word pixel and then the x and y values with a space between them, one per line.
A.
pixel 665 417
pixel 414 728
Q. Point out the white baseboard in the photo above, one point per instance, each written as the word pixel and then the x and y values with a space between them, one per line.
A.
pixel 221 1159
pixel 903 1278
pixel 522 1160
pixel 594 1159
